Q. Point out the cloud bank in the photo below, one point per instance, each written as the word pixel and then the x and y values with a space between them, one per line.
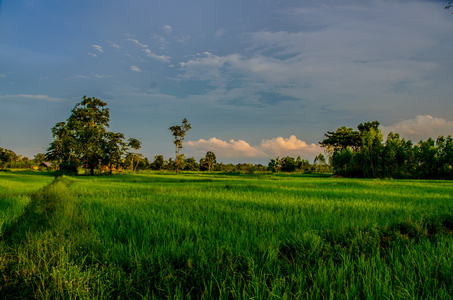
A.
pixel 268 148
pixel 421 127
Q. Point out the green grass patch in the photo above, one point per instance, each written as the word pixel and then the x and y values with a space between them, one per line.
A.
pixel 217 235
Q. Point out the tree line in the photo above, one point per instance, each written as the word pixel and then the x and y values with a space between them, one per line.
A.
pixel 9 159
pixel 363 153
pixel 83 141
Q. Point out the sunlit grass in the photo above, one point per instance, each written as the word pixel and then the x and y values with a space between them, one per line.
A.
pixel 232 236
pixel 15 191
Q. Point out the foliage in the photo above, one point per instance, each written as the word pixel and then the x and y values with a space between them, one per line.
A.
pixel 179 132
pixel 396 157
pixel 288 164
pixel 190 164
pixel 134 144
pixel 210 159
pixel 7 157
pixel 158 163
pixel 83 140
pixel 272 165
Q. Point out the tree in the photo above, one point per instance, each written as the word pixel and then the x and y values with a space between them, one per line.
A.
pixel 158 162
pixel 288 164
pixel 191 164
pixel 371 146
pixel 341 139
pixel 134 144
pixel 272 166
pixel 114 149
pixel 319 159
pixel 82 139
pixel 179 132
pixel 7 157
pixel 39 158
pixel 210 159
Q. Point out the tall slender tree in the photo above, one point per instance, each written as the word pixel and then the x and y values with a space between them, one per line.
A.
pixel 179 132
pixel 134 144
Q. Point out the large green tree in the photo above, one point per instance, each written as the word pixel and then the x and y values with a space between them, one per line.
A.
pixel 179 132
pixel 83 139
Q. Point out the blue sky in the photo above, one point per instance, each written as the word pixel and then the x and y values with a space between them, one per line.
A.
pixel 256 79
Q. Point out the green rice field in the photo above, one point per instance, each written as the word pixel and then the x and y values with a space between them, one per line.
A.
pixel 224 236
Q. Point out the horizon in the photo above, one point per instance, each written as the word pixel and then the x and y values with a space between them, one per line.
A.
pixel 256 79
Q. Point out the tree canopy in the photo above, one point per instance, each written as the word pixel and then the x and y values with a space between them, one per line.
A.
pixel 83 139
pixel 397 158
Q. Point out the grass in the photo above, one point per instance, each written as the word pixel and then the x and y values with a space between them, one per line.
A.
pixel 212 235
pixel 16 189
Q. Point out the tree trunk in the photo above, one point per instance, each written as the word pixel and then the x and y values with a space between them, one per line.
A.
pixel 177 160
pixel 132 162
pixel 136 165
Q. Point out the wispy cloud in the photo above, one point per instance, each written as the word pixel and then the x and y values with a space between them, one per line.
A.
pixel 114 45
pixel 167 28
pixel 137 42
pixel 421 127
pixel 92 54
pixel 98 48
pixel 220 32
pixel 342 58
pixel 136 69
pixel 149 53
pixel 268 148
pixel 45 98
pixel 162 58
pixel 2 75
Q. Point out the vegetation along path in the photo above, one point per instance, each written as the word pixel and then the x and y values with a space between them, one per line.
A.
pixel 221 235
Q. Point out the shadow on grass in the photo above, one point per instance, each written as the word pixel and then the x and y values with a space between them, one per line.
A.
pixel 38 212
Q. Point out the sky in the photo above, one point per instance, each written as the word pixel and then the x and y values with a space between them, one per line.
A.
pixel 256 79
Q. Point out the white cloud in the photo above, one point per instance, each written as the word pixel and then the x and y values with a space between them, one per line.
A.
pixel 420 128
pixel 136 69
pixel 212 68
pixel 2 75
pixel 167 28
pixel 183 39
pixel 149 53
pixel 92 54
pixel 115 45
pixel 36 97
pixel 266 149
pixel 226 149
pixel 98 48
pixel 289 147
pixel 161 41
pixel 162 58
pixel 343 58
pixel 137 42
